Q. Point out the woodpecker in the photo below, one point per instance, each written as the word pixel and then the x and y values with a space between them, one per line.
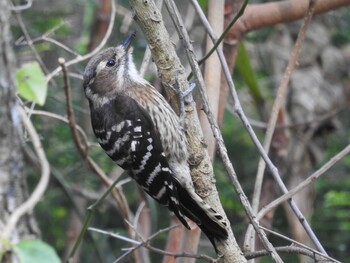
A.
pixel 139 131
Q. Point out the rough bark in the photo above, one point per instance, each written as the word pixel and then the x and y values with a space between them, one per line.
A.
pixel 169 66
pixel 13 188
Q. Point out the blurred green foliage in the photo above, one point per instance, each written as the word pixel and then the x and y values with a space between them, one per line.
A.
pixel 29 251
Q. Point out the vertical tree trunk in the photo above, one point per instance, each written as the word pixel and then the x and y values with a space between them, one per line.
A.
pixel 13 188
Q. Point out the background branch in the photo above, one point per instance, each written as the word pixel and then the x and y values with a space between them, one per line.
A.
pixel 258 16
pixel 276 110
pixel 38 192
pixel 93 52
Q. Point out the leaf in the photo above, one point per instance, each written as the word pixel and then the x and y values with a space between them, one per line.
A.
pixel 203 4
pixel 31 84
pixel 35 251
pixel 245 69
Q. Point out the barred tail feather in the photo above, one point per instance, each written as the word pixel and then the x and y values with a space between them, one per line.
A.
pixel 209 221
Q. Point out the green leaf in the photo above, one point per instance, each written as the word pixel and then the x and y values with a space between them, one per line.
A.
pixel 31 84
pixel 35 251
pixel 203 4
pixel 246 70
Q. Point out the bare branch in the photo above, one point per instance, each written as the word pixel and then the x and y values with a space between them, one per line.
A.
pixel 239 111
pixel 46 37
pixel 38 192
pixel 290 250
pixel 30 42
pixel 271 127
pixel 146 244
pixel 93 52
pixel 262 15
pixel 278 104
pixel 299 244
pixel 221 146
pixel 217 41
pixel 61 118
pixel 311 179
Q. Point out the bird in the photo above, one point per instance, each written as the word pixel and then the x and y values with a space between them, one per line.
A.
pixel 140 132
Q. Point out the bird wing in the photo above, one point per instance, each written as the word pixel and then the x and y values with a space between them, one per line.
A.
pixel 128 135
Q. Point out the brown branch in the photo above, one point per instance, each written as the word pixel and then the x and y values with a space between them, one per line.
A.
pixel 258 16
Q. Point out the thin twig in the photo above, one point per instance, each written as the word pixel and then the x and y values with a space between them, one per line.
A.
pixel 172 9
pixel 311 179
pixel 39 190
pixel 88 219
pixel 278 103
pixel 137 214
pixel 29 41
pixel 271 127
pixel 217 41
pixel 145 61
pixel 93 52
pixel 316 120
pixel 143 241
pixel 81 146
pixel 60 118
pixel 46 37
pixel 59 44
pixel 146 243
pixel 290 250
pixel 115 235
pixel 299 244
pixel 240 113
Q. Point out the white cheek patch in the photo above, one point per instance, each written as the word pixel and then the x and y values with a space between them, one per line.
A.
pixel 100 66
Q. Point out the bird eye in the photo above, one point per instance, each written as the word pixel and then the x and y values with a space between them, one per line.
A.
pixel 110 63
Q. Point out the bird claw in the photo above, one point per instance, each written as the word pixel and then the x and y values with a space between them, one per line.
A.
pixel 183 95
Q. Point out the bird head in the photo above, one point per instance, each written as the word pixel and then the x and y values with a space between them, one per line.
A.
pixel 108 71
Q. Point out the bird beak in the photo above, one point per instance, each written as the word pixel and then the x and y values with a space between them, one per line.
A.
pixel 127 42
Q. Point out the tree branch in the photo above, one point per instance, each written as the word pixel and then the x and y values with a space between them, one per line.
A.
pixel 311 179
pixel 276 108
pixel 42 184
pixel 80 58
pixel 146 243
pixel 259 16
pixel 169 67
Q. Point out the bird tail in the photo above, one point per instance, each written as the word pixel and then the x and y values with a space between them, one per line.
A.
pixel 209 221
